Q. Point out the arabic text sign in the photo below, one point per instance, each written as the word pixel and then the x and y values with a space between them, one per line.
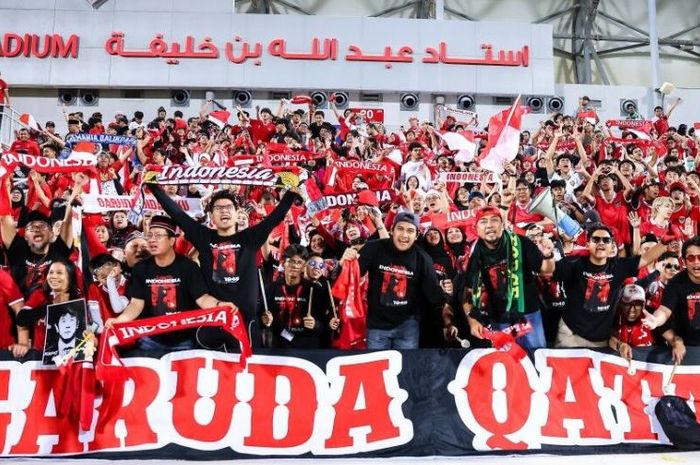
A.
pixel 195 48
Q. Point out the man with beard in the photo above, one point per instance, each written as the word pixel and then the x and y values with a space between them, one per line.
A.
pixel 592 284
pixel 500 287
pixel 681 298
pixel 297 312
pixel 227 256
pixel 401 280
pixel 30 256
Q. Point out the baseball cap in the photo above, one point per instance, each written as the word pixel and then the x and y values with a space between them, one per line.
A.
pixel 407 217
pixel 633 293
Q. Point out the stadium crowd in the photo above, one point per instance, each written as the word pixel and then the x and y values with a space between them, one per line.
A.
pixel 398 256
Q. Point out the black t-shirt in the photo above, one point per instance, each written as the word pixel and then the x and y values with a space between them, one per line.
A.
pixel 591 291
pixel 28 268
pixel 289 306
pixel 494 268
pixel 228 263
pixel 399 282
pixel 165 290
pixel 682 297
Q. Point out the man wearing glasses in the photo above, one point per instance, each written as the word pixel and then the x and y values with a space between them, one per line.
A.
pixel 591 286
pixel 227 257
pixel 297 310
pixel 682 298
pixel 30 256
pixel 163 284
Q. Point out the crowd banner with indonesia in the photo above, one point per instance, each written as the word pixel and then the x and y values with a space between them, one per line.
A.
pixel 504 138
pixel 339 403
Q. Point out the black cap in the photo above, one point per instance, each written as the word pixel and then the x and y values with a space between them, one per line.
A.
pixel 36 215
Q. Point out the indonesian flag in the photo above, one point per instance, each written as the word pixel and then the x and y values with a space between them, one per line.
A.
pixel 28 120
pixel 504 138
pixel 590 116
pixel 696 125
pixel 462 142
pixel 219 117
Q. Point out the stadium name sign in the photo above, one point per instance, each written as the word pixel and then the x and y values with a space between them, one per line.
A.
pixel 194 48
pixel 329 403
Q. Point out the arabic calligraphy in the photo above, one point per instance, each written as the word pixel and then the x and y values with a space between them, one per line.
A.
pixel 239 51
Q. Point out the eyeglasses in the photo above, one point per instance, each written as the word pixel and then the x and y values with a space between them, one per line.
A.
pixel 157 236
pixel 599 239
pixel 37 227
pixel 317 265
pixel 692 258
pixel 295 262
pixel 223 208
pixel 669 266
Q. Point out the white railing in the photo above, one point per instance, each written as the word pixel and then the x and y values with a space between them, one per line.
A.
pixel 9 125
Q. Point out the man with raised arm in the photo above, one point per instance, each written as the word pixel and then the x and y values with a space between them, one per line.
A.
pixel 227 257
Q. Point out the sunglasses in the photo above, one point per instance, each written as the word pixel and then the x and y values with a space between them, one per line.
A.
pixel 669 266
pixel 599 239
pixel 692 258
pixel 317 265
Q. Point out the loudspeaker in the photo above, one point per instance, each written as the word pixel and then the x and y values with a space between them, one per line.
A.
pixel 341 100
pixel 544 205
pixel 180 98
pixel 626 105
pixel 320 99
pixel 242 97
pixel 555 104
pixel 536 104
pixel 408 102
pixel 89 98
pixel 67 97
pixel 465 102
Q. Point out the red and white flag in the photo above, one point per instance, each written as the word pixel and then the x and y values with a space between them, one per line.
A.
pixel 590 116
pixel 463 142
pixel 28 120
pixel 219 117
pixel 504 138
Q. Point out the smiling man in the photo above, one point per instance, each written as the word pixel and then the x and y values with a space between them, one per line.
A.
pixel 501 285
pixel 592 285
pixel 401 279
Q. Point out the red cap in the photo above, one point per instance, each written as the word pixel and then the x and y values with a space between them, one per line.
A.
pixel 677 186
pixel 487 211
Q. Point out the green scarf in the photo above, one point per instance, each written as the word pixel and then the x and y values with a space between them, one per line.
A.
pixel 514 271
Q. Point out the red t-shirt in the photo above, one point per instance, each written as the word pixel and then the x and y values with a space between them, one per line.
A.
pixel 519 216
pixel 614 215
pixel 260 131
pixel 9 295
pixel 25 146
pixel 661 125
pixel 679 217
pixel 3 88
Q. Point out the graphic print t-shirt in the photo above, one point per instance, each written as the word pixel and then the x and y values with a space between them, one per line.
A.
pixel 591 291
pixel 29 269
pixel 682 297
pixel 166 290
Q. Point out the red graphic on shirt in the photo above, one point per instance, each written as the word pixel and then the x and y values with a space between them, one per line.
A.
pixel 36 275
pixel 163 297
pixel 497 276
pixel 224 264
pixel 289 308
pixel 394 286
pixel 597 294
pixel 692 309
